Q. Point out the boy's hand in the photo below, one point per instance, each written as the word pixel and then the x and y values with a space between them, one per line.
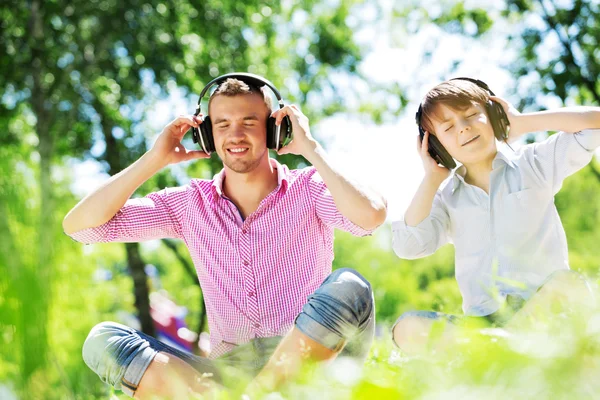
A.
pixel 433 171
pixel 517 128
pixel 168 146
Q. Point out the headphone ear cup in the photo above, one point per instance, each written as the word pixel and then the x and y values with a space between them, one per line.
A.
pixel 271 132
pixel 206 136
pixel 498 119
pixel 285 133
pixel 437 151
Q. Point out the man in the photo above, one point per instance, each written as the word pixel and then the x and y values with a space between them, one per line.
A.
pixel 261 238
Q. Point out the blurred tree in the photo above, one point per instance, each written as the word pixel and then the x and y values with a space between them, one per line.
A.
pixel 557 45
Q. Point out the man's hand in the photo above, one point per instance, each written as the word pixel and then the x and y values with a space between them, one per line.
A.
pixel 515 118
pixel 302 143
pixel 168 147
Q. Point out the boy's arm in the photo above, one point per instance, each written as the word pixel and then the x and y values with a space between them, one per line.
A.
pixel 101 205
pixel 420 206
pixel 425 225
pixel 359 204
pixel 567 119
pixel 563 154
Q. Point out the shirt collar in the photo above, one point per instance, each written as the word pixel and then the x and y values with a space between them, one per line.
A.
pixel 283 173
pixel 501 158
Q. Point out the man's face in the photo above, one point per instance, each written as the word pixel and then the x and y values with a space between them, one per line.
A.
pixel 239 125
pixel 467 134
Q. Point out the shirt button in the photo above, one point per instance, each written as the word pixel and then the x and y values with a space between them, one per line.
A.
pixel 257 325
pixel 518 195
pixel 250 294
pixel 246 263
pixel 244 230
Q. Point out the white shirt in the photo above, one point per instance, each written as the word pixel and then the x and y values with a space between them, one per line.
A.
pixel 510 241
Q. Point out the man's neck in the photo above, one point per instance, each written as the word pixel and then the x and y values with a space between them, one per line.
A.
pixel 247 190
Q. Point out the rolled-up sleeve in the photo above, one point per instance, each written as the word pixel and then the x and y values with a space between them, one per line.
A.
pixel 563 154
pixel 410 242
pixel 327 210
pixel 158 215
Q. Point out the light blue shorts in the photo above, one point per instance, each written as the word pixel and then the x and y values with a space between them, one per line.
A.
pixel 339 314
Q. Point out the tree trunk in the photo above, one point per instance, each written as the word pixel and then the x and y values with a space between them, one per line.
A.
pixel 34 315
pixel 135 262
pixel 140 287
pixel 187 266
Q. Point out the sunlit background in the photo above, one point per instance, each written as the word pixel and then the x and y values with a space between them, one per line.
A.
pixel 87 86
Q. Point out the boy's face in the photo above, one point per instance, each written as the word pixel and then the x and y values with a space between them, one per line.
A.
pixel 467 134
pixel 239 125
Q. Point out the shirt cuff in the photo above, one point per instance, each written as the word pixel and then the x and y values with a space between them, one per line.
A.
pixel 89 235
pixel 356 230
pixel 419 232
pixel 589 139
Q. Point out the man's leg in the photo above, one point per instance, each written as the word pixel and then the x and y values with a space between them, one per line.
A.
pixel 143 367
pixel 341 312
pixel 420 332
pixel 564 291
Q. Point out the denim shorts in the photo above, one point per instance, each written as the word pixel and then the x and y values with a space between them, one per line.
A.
pixel 497 319
pixel 340 315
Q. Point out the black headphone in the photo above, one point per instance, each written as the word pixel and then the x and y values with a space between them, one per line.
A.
pixel 495 113
pixel 277 136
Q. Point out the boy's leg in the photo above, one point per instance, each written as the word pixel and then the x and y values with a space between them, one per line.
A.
pixel 143 367
pixel 564 291
pixel 340 315
pixel 419 332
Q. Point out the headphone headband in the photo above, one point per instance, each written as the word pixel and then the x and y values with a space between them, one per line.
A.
pixel 249 79
pixel 479 83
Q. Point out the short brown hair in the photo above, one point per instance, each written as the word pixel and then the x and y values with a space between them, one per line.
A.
pixel 456 93
pixel 235 87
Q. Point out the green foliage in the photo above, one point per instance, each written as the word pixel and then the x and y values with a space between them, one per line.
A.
pixel 80 81
pixel 458 19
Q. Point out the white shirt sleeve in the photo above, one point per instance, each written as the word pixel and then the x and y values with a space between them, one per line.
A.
pixel 562 155
pixel 410 242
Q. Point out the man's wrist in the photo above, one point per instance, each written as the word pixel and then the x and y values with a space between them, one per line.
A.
pixel 312 150
pixel 154 160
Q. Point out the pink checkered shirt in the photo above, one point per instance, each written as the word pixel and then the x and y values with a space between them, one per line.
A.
pixel 257 273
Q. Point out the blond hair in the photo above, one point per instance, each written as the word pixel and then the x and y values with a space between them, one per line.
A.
pixel 235 87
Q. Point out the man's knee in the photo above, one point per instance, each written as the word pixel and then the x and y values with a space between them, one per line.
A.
pixel 341 308
pixel 109 350
pixel 98 342
pixel 353 291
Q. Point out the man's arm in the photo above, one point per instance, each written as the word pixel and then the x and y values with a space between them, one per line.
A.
pixel 359 204
pixel 102 204
pixel 567 119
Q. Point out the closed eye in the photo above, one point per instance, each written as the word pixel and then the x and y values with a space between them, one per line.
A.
pixel 448 128
pixel 472 115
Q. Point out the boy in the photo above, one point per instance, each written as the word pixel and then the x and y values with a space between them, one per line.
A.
pixel 497 208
